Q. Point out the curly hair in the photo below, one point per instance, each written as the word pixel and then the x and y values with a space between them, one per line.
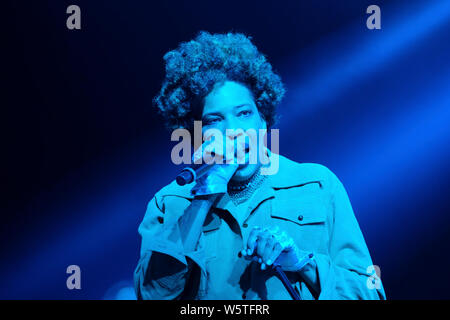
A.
pixel 196 66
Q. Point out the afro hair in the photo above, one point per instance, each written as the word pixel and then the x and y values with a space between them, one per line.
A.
pixel 196 66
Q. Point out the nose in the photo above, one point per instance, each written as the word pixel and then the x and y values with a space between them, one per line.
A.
pixel 233 128
pixel 234 134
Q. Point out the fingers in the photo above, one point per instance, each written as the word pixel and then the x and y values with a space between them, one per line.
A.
pixel 270 244
pixel 268 251
pixel 215 149
pixel 213 152
pixel 266 244
pixel 262 239
pixel 285 241
pixel 251 242
pixel 277 249
pixel 263 242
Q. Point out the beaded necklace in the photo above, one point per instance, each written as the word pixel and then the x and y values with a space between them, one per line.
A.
pixel 241 191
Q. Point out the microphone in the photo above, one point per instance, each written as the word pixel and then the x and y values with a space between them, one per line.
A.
pixel 194 171
pixel 191 173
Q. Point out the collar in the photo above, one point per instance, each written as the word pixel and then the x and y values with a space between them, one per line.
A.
pixel 289 174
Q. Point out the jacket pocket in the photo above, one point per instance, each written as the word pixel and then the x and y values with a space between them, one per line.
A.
pixel 305 220
pixel 300 212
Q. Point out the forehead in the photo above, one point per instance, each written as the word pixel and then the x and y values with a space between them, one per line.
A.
pixel 226 96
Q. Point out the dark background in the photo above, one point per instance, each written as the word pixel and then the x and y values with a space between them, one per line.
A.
pixel 84 152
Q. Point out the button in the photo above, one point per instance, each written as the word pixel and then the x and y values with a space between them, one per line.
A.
pixel 245 225
pixel 239 254
pixel 244 296
pixel 300 217
pixel 160 219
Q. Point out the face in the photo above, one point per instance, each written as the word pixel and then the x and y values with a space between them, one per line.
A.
pixel 230 105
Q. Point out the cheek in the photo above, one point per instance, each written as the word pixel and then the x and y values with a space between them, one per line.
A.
pixel 253 141
pixel 260 123
pixel 257 125
pixel 218 127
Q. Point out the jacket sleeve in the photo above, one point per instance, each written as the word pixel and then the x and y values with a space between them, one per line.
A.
pixel 163 268
pixel 347 271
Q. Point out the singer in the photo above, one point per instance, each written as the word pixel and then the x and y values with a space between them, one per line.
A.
pixel 223 235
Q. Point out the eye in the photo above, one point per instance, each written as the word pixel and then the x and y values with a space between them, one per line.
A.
pixel 209 121
pixel 245 113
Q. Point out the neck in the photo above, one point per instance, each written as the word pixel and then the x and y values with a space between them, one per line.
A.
pixel 238 185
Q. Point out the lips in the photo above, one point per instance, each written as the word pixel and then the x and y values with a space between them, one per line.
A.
pixel 246 148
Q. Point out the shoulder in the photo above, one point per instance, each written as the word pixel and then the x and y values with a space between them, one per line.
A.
pixel 173 195
pixel 291 173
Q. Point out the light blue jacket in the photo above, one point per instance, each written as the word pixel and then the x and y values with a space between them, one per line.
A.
pixel 305 200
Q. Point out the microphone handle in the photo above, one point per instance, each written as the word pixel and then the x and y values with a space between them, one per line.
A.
pixel 192 173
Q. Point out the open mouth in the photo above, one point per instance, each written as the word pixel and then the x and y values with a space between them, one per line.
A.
pixel 246 149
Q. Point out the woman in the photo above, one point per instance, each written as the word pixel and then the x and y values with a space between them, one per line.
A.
pixel 202 244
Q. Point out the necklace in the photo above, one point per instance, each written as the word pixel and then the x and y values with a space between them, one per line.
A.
pixel 241 191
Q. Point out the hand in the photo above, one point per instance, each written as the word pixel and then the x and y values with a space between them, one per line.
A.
pixel 222 150
pixel 272 245
pixel 214 181
pixel 215 178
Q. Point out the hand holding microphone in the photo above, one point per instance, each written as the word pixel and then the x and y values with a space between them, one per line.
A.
pixel 215 167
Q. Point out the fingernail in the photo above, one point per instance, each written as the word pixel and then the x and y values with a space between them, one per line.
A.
pixel 244 252
pixel 263 266
pixel 249 252
pixel 269 262
pixel 260 260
